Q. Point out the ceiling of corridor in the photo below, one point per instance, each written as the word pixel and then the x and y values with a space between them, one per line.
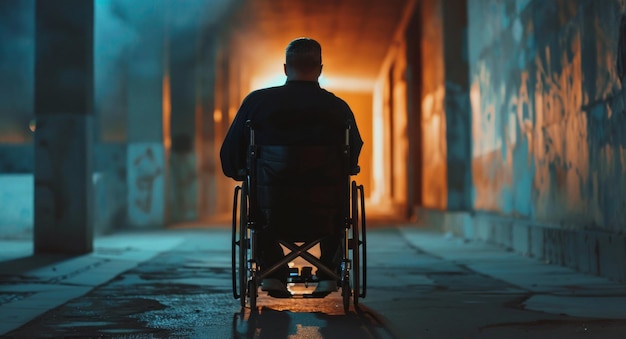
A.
pixel 355 34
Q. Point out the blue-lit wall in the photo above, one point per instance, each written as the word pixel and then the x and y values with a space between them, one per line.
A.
pixel 150 57
pixel 17 66
pixel 548 128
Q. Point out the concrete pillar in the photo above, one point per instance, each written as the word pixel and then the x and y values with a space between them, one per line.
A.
pixel 183 180
pixel 147 110
pixel 208 168
pixel 457 105
pixel 414 77
pixel 192 169
pixel 63 137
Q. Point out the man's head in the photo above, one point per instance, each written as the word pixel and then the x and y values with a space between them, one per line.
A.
pixel 303 60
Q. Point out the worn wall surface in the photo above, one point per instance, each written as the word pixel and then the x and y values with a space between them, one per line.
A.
pixel 17 66
pixel 548 111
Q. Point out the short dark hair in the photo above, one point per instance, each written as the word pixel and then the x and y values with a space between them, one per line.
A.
pixel 303 53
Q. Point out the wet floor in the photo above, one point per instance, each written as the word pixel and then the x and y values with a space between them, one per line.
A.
pixel 185 292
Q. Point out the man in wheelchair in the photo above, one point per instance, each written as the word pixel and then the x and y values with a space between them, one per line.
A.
pixel 303 115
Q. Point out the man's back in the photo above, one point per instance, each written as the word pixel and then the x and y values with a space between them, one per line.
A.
pixel 297 113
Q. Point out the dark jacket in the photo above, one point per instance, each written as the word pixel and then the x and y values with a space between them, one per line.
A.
pixel 297 113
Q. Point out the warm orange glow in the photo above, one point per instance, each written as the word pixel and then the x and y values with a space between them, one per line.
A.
pixel 361 105
pixel 399 133
pixel 232 111
pixel 337 83
pixel 12 138
pixel 217 116
pixel 388 139
pixel 267 71
pixel 378 164
pixel 198 129
pixel 434 172
pixel 365 96
pixel 167 112
pixel 358 92
pixel 14 133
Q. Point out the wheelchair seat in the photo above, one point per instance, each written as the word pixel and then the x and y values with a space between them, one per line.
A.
pixel 301 195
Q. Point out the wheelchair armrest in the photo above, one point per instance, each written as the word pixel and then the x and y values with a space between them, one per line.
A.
pixel 242 174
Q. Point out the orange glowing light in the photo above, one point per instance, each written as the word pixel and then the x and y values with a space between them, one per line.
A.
pixel 232 111
pixel 167 112
pixel 217 116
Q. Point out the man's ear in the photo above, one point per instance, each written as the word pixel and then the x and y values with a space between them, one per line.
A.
pixel 285 69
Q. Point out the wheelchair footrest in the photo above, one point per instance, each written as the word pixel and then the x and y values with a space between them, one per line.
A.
pixel 301 276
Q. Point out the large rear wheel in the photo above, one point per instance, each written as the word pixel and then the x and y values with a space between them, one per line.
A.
pixel 244 244
pixel 235 243
pixel 363 247
pixel 355 245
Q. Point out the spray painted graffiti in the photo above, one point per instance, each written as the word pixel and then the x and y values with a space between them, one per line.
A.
pixel 560 148
pixel 146 184
pixel 549 133
pixel 489 170
pixel 147 172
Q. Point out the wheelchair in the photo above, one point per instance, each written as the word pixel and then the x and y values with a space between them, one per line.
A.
pixel 299 186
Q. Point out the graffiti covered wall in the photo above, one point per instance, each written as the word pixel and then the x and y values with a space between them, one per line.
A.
pixel 548 111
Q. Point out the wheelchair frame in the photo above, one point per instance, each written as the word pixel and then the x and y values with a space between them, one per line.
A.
pixel 246 276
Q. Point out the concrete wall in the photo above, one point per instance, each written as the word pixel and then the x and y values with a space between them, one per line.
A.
pixel 134 169
pixel 548 132
pixel 110 214
pixel 548 111
pixel 433 115
pixel 17 66
pixel 16 199
pixel 389 188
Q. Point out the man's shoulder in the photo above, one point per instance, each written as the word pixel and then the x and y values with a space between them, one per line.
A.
pixel 266 90
pixel 262 92
pixel 338 101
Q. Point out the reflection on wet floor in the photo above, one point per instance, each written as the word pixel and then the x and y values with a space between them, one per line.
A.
pixel 306 318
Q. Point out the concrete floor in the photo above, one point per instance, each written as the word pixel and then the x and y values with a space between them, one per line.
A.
pixel 421 284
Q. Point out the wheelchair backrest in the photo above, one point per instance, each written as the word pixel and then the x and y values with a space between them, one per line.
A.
pixel 299 190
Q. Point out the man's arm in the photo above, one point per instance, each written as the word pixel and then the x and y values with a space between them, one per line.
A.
pixel 356 143
pixel 234 147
